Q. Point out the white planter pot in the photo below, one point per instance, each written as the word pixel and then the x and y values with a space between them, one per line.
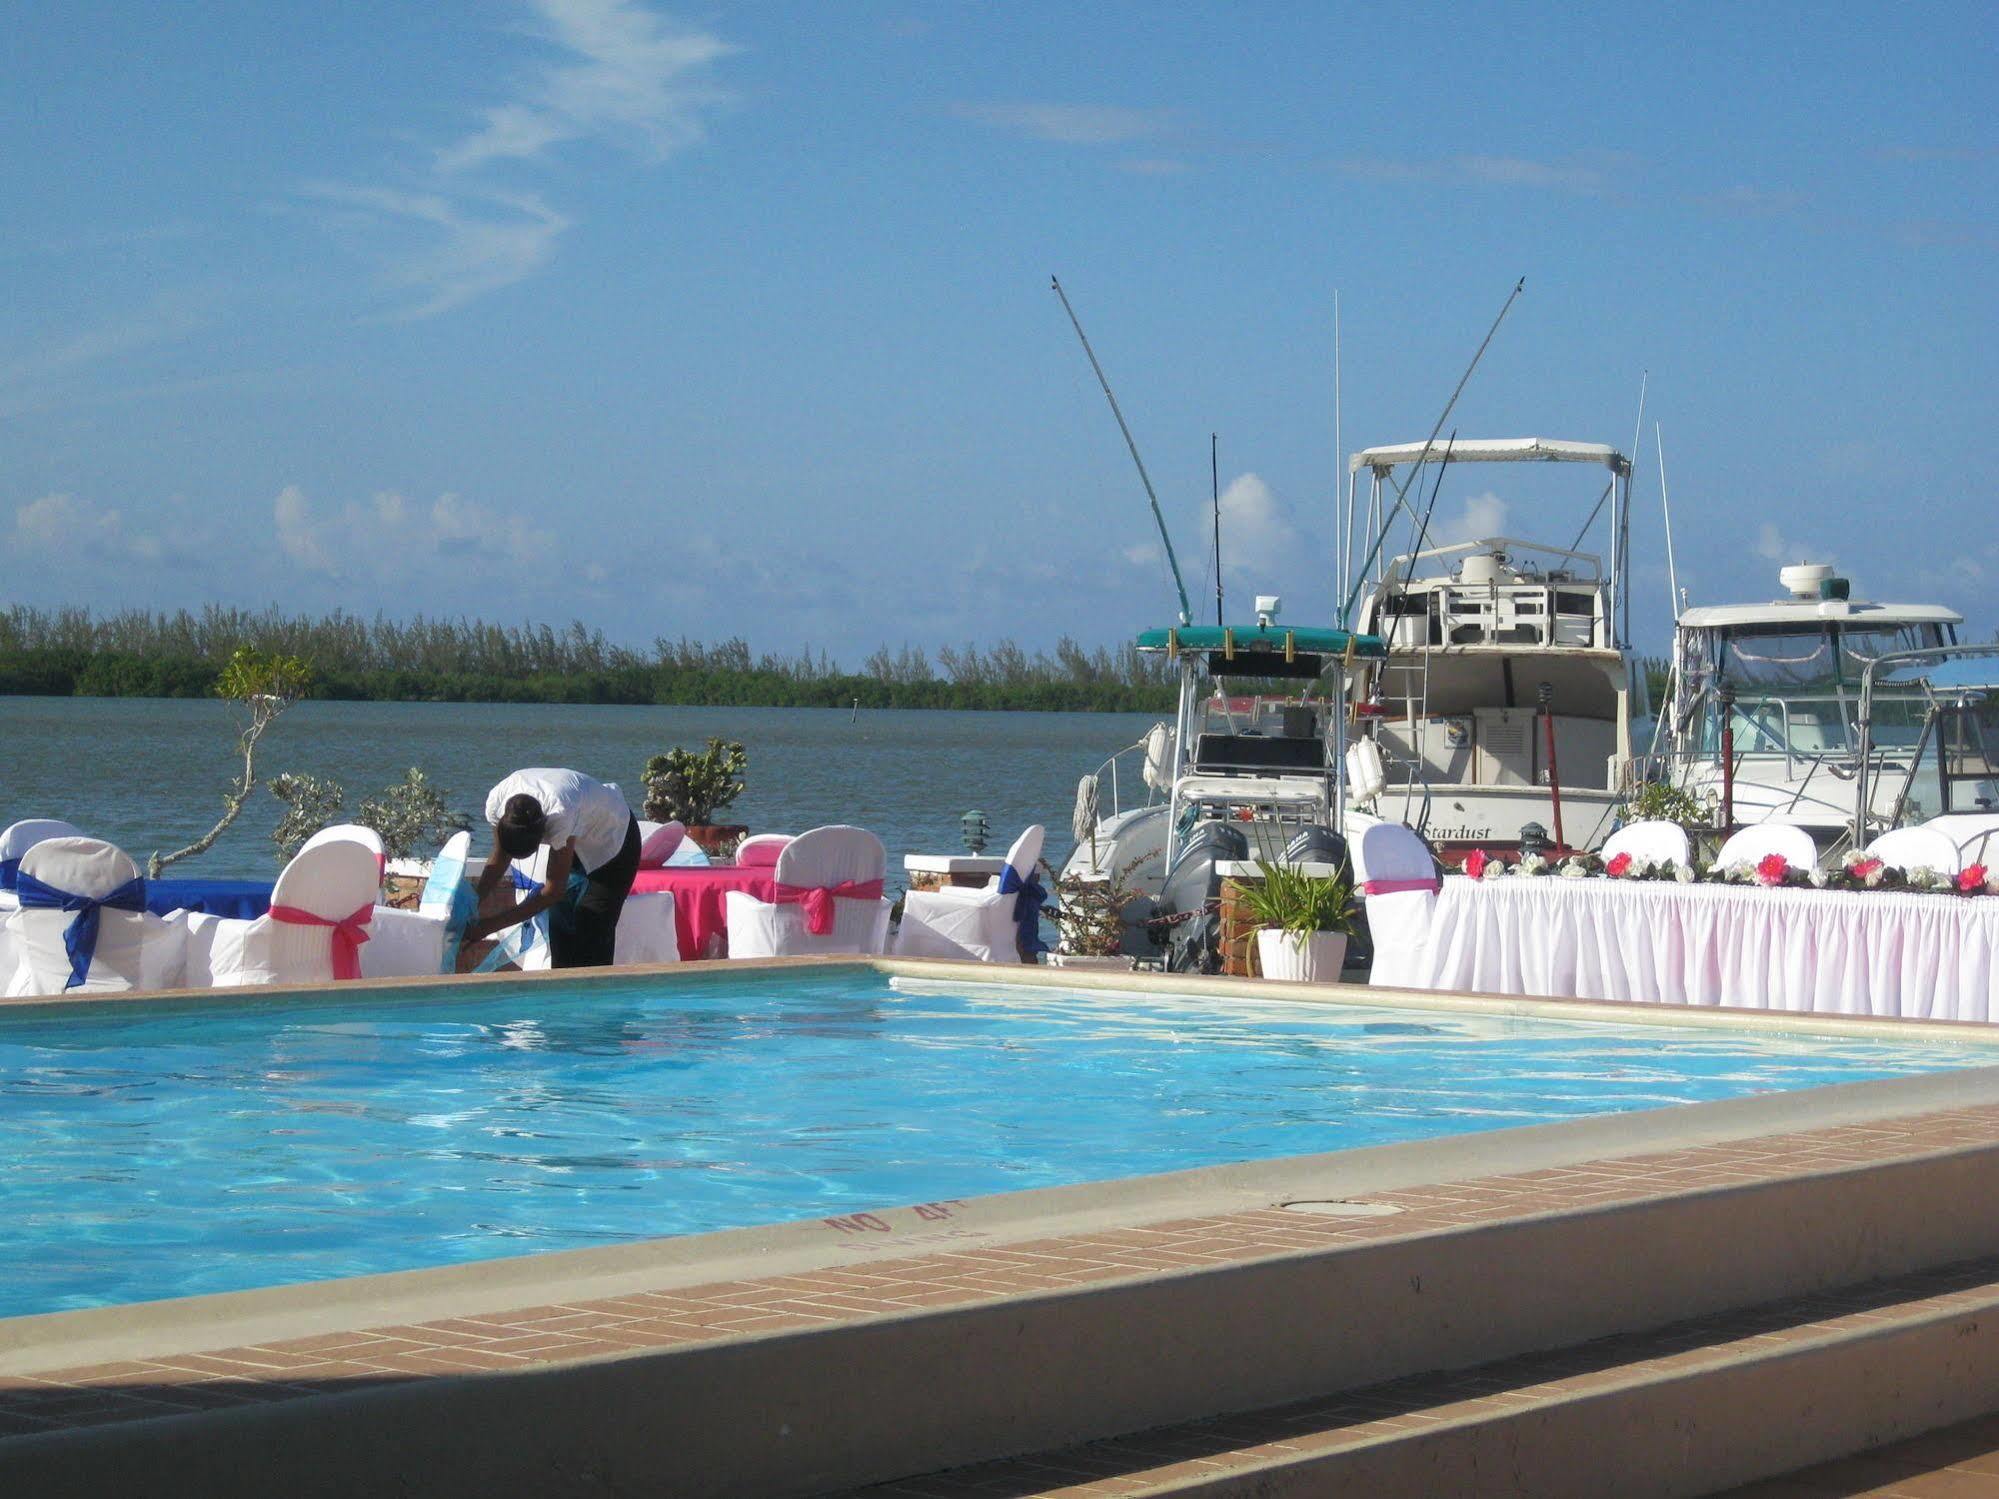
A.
pixel 1314 957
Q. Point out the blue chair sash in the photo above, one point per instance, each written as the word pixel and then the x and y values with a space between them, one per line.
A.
pixel 79 938
pixel 10 873
pixel 1029 898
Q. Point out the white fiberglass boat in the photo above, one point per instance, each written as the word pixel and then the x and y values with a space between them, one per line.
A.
pixel 1762 723
pixel 1504 698
pixel 1249 770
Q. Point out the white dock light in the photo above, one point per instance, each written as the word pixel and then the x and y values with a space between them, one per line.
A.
pixel 1267 605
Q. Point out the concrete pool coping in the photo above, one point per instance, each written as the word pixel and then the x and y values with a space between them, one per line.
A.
pixel 312 1308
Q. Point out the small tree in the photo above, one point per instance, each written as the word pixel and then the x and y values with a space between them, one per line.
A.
pixel 412 816
pixel 310 803
pixel 685 787
pixel 262 684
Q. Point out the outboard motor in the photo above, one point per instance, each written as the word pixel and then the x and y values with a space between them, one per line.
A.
pixel 1324 846
pixel 1193 944
pixel 1319 846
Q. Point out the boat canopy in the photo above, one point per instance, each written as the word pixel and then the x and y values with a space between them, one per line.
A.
pixel 1491 450
pixel 1812 614
pixel 1268 640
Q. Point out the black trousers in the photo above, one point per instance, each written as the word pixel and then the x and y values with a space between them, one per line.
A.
pixel 584 932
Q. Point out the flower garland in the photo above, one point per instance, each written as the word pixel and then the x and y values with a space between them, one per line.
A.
pixel 1771 872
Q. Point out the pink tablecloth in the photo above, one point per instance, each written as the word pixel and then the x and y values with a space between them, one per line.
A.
pixel 698 911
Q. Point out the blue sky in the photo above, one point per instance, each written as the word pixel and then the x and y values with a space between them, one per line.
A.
pixel 736 320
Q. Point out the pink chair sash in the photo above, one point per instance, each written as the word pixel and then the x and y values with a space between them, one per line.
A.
pixel 818 900
pixel 348 934
pixel 1401 887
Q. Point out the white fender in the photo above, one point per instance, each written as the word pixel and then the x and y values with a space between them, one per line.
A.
pixel 1366 776
pixel 1158 770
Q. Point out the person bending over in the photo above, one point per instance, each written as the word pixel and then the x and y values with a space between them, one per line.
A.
pixel 593 853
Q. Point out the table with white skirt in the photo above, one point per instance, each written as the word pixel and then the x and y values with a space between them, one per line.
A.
pixel 1829 952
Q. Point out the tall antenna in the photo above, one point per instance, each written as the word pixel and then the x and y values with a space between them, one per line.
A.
pixel 1620 539
pixel 1215 489
pixel 1186 613
pixel 1346 610
pixel 1344 542
pixel 1666 505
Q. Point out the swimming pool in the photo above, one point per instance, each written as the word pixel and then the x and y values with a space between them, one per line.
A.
pixel 151 1151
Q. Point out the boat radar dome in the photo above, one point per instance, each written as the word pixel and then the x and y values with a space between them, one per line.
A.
pixel 1804 579
pixel 1267 605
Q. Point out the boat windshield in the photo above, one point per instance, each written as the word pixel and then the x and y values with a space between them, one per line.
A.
pixel 1796 689
pixel 1267 734
pixel 1956 767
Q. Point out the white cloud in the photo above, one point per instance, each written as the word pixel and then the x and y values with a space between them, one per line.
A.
pixel 1070 124
pixel 1774 545
pixel 63 525
pixel 1483 516
pixel 389 539
pixel 452 249
pixel 297 533
pixel 1258 536
pixel 625 75
pixel 630 75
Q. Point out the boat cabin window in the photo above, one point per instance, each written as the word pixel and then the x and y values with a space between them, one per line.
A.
pixel 1796 689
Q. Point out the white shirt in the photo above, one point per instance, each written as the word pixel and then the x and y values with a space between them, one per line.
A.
pixel 576 806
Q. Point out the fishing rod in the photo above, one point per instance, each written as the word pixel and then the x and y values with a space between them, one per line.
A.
pixel 1423 531
pixel 1215 490
pixel 1346 610
pixel 1179 584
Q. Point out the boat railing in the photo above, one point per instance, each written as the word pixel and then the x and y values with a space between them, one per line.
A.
pixel 1110 768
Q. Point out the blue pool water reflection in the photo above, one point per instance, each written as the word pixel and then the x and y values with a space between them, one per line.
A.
pixel 149 1152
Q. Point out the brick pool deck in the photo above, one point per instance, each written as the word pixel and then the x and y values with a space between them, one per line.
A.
pixel 880 1277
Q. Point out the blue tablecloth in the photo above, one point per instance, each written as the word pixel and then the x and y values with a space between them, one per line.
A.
pixel 242 899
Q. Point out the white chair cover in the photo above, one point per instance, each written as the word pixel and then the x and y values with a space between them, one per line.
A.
pixel 353 832
pixel 1754 844
pixel 135 949
pixel 331 881
pixel 16 839
pixel 816 860
pixel 1651 843
pixel 657 842
pixel 761 849
pixel 972 923
pixel 1916 848
pixel 1387 854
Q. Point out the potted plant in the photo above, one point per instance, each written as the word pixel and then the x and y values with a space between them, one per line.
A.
pixel 690 788
pixel 1303 920
pixel 1089 914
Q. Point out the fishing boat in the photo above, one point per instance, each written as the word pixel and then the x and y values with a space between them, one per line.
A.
pixel 1763 703
pixel 1501 709
pixel 1252 768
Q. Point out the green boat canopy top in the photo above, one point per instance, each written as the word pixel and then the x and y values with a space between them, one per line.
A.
pixel 1265 646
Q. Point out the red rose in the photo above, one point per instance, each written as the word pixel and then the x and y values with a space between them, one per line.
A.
pixel 1971 880
pixel 1772 869
pixel 1475 863
pixel 1618 867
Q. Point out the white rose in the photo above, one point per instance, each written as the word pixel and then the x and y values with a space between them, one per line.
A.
pixel 1818 879
pixel 1574 869
pixel 1873 877
pixel 1684 873
pixel 1992 881
pixel 1531 864
pixel 1495 869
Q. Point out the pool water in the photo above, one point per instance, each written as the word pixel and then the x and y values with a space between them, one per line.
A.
pixel 150 1152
